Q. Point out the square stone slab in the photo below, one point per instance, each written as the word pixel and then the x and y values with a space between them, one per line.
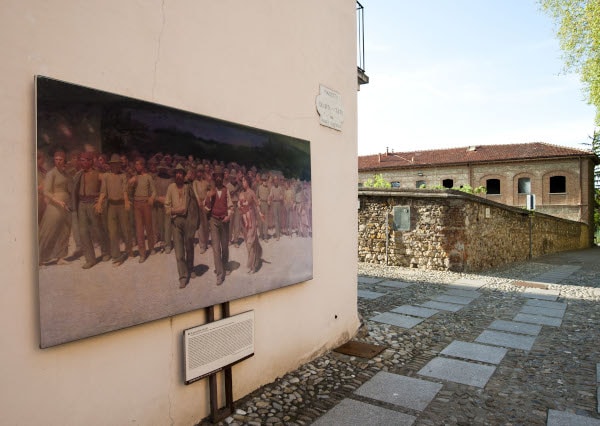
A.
pixel 546 304
pixel 366 294
pixel 447 298
pixel 369 280
pixel 539 293
pixel 538 319
pixel 506 340
pixel 399 390
pixel 473 294
pixel 557 274
pixel 538 310
pixel 395 284
pixel 456 371
pixel 415 311
pixel 562 418
pixel 516 327
pixel 452 307
pixel 398 320
pixel 475 352
pixel 351 412
pixel 468 283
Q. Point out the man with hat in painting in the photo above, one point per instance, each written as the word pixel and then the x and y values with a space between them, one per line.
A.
pixel 182 208
pixel 86 191
pixel 144 193
pixel 114 190
pixel 262 192
pixel 220 207
pixel 276 196
pixel 201 187
pixel 235 224
pixel 163 222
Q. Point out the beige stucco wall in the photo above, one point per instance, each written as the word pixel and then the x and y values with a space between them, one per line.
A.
pixel 258 63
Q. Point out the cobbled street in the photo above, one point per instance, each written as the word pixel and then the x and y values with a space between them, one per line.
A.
pixel 518 345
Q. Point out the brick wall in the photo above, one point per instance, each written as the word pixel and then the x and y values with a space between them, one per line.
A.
pixel 576 203
pixel 451 230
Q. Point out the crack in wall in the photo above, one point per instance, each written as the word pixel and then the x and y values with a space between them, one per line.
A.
pixel 160 34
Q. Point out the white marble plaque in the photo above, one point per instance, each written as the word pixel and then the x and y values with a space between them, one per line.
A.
pixel 330 109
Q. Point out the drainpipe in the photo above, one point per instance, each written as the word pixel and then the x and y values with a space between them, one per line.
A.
pixel 387 236
pixel 530 235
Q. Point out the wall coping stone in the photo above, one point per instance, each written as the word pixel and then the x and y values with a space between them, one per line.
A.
pixel 451 193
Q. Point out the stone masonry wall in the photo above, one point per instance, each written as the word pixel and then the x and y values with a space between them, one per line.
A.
pixel 451 230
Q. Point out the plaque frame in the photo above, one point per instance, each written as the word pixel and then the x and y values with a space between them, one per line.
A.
pixel 219 326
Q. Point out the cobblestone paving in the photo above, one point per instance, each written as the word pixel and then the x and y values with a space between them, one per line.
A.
pixel 557 375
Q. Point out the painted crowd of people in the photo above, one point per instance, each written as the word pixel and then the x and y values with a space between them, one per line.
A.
pixel 163 203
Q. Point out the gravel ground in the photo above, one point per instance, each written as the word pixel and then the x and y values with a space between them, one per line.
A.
pixel 558 373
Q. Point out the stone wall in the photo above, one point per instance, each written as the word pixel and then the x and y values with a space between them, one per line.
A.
pixel 452 230
pixel 574 204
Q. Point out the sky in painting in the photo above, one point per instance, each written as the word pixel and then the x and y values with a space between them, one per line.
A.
pixel 458 73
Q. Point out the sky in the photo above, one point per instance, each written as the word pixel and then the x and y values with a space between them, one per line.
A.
pixel 456 73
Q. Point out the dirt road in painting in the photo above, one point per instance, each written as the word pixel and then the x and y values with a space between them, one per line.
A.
pixel 77 303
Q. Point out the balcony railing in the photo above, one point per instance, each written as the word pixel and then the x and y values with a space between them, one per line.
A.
pixel 360 48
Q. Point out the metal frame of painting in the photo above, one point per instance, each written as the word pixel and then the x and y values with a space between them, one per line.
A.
pixel 146 211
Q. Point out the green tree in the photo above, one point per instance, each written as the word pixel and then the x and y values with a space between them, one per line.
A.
pixel 578 31
pixel 596 148
pixel 463 188
pixel 377 182
pixel 470 190
pixel 595 145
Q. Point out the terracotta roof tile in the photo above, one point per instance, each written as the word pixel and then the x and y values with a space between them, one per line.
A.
pixel 474 154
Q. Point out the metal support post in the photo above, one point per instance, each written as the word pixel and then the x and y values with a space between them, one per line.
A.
pixel 217 414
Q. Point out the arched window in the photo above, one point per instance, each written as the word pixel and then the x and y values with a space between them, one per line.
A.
pixel 492 186
pixel 524 185
pixel 448 183
pixel 395 184
pixel 558 184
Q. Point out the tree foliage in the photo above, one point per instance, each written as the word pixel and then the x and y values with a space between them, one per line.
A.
pixel 377 182
pixel 595 145
pixel 596 148
pixel 578 31
pixel 463 188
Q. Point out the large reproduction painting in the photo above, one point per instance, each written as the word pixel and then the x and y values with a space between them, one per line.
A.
pixel 146 211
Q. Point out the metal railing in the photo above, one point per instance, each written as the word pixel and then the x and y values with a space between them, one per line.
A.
pixel 360 25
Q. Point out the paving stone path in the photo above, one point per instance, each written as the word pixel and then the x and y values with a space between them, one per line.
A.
pixel 514 346
pixel 466 363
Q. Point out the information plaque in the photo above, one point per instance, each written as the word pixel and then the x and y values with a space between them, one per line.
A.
pixel 210 347
pixel 330 109
pixel 401 218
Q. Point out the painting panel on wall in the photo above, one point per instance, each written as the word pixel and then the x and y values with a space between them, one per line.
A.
pixel 147 211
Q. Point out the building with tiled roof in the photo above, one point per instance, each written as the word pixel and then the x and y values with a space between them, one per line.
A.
pixel 561 179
